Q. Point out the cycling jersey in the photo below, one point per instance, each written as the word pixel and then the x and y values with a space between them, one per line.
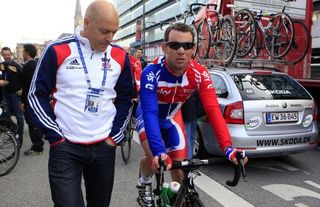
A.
pixel 162 94
pixel 60 74
pixel 135 71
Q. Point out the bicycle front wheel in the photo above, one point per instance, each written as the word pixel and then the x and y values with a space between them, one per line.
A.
pixel 9 151
pixel 246 32
pixel 194 201
pixel 279 35
pixel 226 46
pixel 126 144
pixel 203 39
pixel 301 43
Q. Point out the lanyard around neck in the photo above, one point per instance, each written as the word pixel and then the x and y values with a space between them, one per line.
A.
pixel 85 69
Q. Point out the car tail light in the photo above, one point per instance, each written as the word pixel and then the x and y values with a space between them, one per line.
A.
pixel 315 111
pixel 234 113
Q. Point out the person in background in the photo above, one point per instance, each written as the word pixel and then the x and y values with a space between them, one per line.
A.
pixel 139 54
pixel 90 82
pixel 10 84
pixel 135 69
pixel 29 53
pixel 191 111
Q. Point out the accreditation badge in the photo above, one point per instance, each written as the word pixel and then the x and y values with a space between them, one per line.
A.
pixel 93 100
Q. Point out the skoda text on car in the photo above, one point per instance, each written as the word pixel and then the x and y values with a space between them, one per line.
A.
pixel 267 113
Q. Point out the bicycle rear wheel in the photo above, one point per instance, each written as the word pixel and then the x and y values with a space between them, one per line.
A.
pixel 279 35
pixel 13 127
pixel 226 46
pixel 300 44
pixel 194 201
pixel 195 40
pixel 126 144
pixel 246 32
pixel 9 151
pixel 203 39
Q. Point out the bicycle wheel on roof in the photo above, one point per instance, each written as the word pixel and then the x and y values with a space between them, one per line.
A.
pixel 279 35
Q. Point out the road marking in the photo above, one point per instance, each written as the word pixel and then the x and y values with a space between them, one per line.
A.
pixel 215 190
pixel 300 205
pixel 274 166
pixel 289 192
pixel 312 183
pixel 220 193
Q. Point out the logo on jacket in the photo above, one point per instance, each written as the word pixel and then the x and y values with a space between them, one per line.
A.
pixel 74 65
pixel 164 91
pixel 151 76
pixel 106 63
pixel 205 75
pixel 74 62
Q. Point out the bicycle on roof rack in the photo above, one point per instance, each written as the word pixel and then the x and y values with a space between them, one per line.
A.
pixel 187 194
pixel 276 37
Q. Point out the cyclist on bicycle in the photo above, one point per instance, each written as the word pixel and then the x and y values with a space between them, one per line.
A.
pixel 164 88
pixel 136 70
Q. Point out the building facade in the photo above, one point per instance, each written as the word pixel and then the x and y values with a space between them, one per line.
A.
pixel 148 34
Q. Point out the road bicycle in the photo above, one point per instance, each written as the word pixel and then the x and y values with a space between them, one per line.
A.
pixel 6 121
pixel 9 146
pixel 126 144
pixel 187 194
pixel 276 37
pixel 216 36
pixel 9 151
pixel 128 135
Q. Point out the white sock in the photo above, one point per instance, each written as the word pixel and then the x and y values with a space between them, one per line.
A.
pixel 145 180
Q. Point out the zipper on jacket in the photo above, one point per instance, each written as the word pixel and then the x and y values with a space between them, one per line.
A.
pixel 174 94
pixel 91 56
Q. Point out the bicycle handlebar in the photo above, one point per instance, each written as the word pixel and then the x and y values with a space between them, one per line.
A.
pixel 200 4
pixel 238 169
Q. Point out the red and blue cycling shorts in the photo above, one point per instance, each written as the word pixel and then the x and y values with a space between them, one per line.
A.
pixel 173 135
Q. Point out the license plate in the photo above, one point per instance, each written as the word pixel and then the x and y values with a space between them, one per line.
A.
pixel 282 117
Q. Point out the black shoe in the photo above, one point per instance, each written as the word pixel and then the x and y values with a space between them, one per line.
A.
pixel 145 197
pixel 31 152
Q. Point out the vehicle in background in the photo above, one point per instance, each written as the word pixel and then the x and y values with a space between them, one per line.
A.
pixel 268 114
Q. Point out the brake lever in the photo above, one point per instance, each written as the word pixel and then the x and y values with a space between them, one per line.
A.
pixel 242 167
pixel 238 169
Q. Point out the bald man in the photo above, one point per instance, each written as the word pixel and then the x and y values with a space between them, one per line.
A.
pixel 80 97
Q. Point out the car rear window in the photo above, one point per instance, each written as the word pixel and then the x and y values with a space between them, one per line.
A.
pixel 268 87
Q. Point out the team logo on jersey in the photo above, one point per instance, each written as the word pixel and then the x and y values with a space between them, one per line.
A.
pixel 164 91
pixel 106 63
pixel 149 86
pixel 151 76
pixel 205 75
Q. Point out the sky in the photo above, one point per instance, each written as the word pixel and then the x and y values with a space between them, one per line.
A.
pixel 35 21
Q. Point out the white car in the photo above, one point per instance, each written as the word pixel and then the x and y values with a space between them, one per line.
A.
pixel 268 114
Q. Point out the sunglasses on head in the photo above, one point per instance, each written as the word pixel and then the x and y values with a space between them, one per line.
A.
pixel 178 45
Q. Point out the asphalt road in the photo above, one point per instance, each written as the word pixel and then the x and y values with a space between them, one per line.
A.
pixel 288 181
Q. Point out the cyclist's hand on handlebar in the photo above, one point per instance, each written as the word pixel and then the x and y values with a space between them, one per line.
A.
pixel 165 158
pixel 231 154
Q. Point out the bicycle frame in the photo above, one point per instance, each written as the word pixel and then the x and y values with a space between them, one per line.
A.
pixel 187 191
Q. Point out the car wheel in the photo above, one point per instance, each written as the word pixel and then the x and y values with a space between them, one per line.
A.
pixel 198 150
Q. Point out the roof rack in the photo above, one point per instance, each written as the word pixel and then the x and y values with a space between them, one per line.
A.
pixel 244 63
